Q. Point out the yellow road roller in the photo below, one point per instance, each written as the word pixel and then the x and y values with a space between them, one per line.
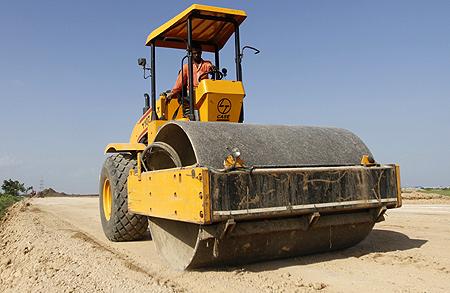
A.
pixel 216 191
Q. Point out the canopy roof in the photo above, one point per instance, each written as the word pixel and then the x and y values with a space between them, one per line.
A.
pixel 211 33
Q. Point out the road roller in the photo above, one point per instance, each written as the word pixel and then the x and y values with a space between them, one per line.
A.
pixel 216 191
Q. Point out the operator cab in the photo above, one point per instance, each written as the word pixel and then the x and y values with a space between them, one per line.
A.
pixel 214 99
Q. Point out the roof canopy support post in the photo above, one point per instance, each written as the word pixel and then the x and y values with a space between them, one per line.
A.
pixel 191 70
pixel 153 81
pixel 216 61
pixel 237 50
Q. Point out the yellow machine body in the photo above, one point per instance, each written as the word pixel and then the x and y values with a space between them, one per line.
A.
pixel 174 194
pixel 207 204
pixel 216 101
pixel 181 194
pixel 219 100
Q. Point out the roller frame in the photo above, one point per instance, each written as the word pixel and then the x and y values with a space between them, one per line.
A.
pixel 205 196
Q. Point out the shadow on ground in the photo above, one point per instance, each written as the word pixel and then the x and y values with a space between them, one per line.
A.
pixel 378 241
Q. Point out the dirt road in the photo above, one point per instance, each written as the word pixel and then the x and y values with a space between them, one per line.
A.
pixel 57 244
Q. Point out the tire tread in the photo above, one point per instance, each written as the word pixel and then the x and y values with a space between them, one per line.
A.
pixel 124 226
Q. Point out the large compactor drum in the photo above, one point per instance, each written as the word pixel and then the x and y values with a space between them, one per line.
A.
pixel 300 190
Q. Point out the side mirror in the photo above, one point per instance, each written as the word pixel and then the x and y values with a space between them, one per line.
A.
pixel 142 62
pixel 224 72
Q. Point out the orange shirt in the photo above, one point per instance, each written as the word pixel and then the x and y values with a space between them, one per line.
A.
pixel 203 67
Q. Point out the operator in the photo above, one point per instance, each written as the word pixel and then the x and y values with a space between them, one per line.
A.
pixel 200 67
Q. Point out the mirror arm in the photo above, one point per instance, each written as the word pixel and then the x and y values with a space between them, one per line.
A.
pixel 241 55
pixel 145 70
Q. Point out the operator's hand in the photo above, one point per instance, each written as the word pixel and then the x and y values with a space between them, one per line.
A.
pixel 169 97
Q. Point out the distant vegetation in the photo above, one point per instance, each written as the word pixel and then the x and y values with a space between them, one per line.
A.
pixel 441 191
pixel 12 192
pixel 6 201
pixel 14 187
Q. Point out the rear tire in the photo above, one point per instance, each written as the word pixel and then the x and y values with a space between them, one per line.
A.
pixel 117 222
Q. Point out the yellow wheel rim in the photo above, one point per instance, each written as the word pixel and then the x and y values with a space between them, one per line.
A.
pixel 107 199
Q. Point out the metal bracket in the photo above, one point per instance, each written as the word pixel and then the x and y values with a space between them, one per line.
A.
pixel 139 167
pixel 379 214
pixel 229 226
pixel 368 161
pixel 313 218
pixel 205 234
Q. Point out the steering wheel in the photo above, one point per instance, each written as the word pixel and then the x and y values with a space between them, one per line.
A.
pixel 214 71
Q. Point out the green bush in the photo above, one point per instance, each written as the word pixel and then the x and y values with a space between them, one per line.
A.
pixel 441 191
pixel 14 187
pixel 6 201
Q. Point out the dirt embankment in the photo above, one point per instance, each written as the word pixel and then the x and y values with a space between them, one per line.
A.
pixel 417 197
pixel 57 245
pixel 39 254
pixel 50 192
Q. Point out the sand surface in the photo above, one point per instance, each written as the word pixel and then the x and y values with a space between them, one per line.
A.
pixel 57 245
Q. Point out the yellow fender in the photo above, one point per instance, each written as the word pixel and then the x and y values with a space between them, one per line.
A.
pixel 124 147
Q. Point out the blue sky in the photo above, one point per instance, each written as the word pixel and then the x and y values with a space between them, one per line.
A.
pixel 70 84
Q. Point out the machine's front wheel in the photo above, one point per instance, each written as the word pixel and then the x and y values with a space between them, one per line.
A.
pixel 118 223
